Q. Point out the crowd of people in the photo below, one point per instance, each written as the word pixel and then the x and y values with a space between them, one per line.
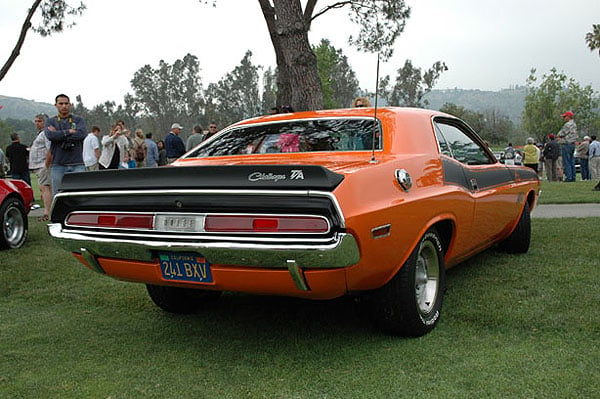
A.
pixel 65 145
pixel 559 154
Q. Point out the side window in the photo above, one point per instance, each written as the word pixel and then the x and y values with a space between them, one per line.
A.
pixel 461 146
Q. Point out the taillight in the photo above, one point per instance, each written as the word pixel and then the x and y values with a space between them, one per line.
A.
pixel 111 220
pixel 265 224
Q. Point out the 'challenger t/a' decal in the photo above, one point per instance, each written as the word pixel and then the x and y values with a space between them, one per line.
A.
pixel 295 174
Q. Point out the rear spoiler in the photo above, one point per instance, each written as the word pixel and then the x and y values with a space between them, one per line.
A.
pixel 280 177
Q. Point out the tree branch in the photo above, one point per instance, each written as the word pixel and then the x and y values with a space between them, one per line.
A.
pixel 17 50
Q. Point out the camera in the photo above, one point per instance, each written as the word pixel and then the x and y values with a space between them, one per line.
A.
pixel 67 145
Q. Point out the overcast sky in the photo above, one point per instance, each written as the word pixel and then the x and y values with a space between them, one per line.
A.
pixel 487 45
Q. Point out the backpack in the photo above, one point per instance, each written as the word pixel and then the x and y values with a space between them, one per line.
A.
pixel 139 152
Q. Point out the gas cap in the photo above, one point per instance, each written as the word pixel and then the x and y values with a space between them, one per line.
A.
pixel 404 179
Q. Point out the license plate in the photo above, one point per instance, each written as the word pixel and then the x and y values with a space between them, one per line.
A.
pixel 190 267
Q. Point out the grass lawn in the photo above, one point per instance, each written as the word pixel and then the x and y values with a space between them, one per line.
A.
pixel 523 326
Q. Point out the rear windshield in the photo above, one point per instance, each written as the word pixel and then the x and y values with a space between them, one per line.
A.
pixel 354 134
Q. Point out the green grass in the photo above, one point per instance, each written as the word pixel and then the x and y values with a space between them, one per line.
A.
pixel 569 193
pixel 523 326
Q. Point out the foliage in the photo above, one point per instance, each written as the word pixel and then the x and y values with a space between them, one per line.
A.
pixel 411 85
pixel 338 80
pixel 556 94
pixel 169 93
pixel 592 38
pixel 269 94
pixel 235 96
pixel 68 332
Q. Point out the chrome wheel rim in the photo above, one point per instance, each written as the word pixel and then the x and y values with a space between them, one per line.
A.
pixel 14 226
pixel 427 277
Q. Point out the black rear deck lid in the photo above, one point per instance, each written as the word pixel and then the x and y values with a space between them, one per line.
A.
pixel 281 177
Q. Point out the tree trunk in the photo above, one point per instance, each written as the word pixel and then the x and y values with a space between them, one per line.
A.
pixel 298 83
pixel 17 50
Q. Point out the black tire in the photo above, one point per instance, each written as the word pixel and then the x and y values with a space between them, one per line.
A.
pixel 518 241
pixel 410 304
pixel 13 224
pixel 180 300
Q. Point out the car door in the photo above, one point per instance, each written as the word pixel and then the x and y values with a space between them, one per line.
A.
pixel 486 181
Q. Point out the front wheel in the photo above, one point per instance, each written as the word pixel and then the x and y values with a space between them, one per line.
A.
pixel 13 224
pixel 518 241
pixel 181 300
pixel 411 302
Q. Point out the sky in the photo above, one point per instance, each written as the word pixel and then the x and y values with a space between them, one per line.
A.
pixel 486 44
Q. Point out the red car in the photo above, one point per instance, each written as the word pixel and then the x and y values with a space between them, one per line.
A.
pixel 16 198
pixel 313 204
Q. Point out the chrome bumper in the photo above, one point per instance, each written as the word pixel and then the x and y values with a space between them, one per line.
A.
pixel 342 252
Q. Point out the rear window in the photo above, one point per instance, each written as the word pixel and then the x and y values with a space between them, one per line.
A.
pixel 355 134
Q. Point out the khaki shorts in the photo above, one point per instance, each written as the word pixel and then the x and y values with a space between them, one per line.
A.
pixel 43 176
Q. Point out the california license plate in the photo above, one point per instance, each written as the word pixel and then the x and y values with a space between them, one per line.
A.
pixel 189 267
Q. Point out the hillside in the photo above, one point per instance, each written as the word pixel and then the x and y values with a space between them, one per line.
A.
pixel 19 108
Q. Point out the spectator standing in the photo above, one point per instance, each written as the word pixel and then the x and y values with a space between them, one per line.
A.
pixel 568 136
pixel 173 143
pixel 582 153
pixel 3 165
pixel 152 153
pixel 360 102
pixel 594 158
pixel 114 149
pixel 550 153
pixel 531 154
pixel 39 161
pixel 509 155
pixel 91 150
pixel 195 138
pixel 162 153
pixel 18 157
pixel 140 149
pixel 212 130
pixel 66 133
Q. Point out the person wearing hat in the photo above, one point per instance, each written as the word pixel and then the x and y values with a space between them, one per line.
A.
pixel 550 153
pixel 582 154
pixel 173 143
pixel 568 136
pixel 18 157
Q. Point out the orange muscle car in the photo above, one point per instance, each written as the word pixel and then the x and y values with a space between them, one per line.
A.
pixel 312 204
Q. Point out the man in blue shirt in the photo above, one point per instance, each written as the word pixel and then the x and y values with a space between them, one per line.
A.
pixel 174 144
pixel 152 154
pixel 66 133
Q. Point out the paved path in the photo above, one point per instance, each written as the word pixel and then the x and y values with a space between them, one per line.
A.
pixel 540 211
pixel 566 211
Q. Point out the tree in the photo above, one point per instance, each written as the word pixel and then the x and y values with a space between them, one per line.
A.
pixel 592 38
pixel 544 105
pixel 55 16
pixel 170 93
pixel 380 21
pixel 411 85
pixel 269 94
pixel 338 80
pixel 235 96
pixel 491 125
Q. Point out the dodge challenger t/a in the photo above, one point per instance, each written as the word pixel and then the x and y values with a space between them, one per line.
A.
pixel 312 204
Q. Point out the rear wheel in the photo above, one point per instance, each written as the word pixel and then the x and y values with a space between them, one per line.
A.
pixel 518 241
pixel 181 300
pixel 411 302
pixel 14 224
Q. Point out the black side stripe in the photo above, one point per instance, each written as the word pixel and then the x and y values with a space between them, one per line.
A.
pixel 456 173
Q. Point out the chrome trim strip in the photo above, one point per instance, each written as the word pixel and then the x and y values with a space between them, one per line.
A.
pixel 342 252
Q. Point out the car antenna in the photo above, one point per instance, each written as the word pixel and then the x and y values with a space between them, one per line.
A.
pixel 375 125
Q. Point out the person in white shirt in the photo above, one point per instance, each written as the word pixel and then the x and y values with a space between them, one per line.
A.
pixel 39 161
pixel 91 149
